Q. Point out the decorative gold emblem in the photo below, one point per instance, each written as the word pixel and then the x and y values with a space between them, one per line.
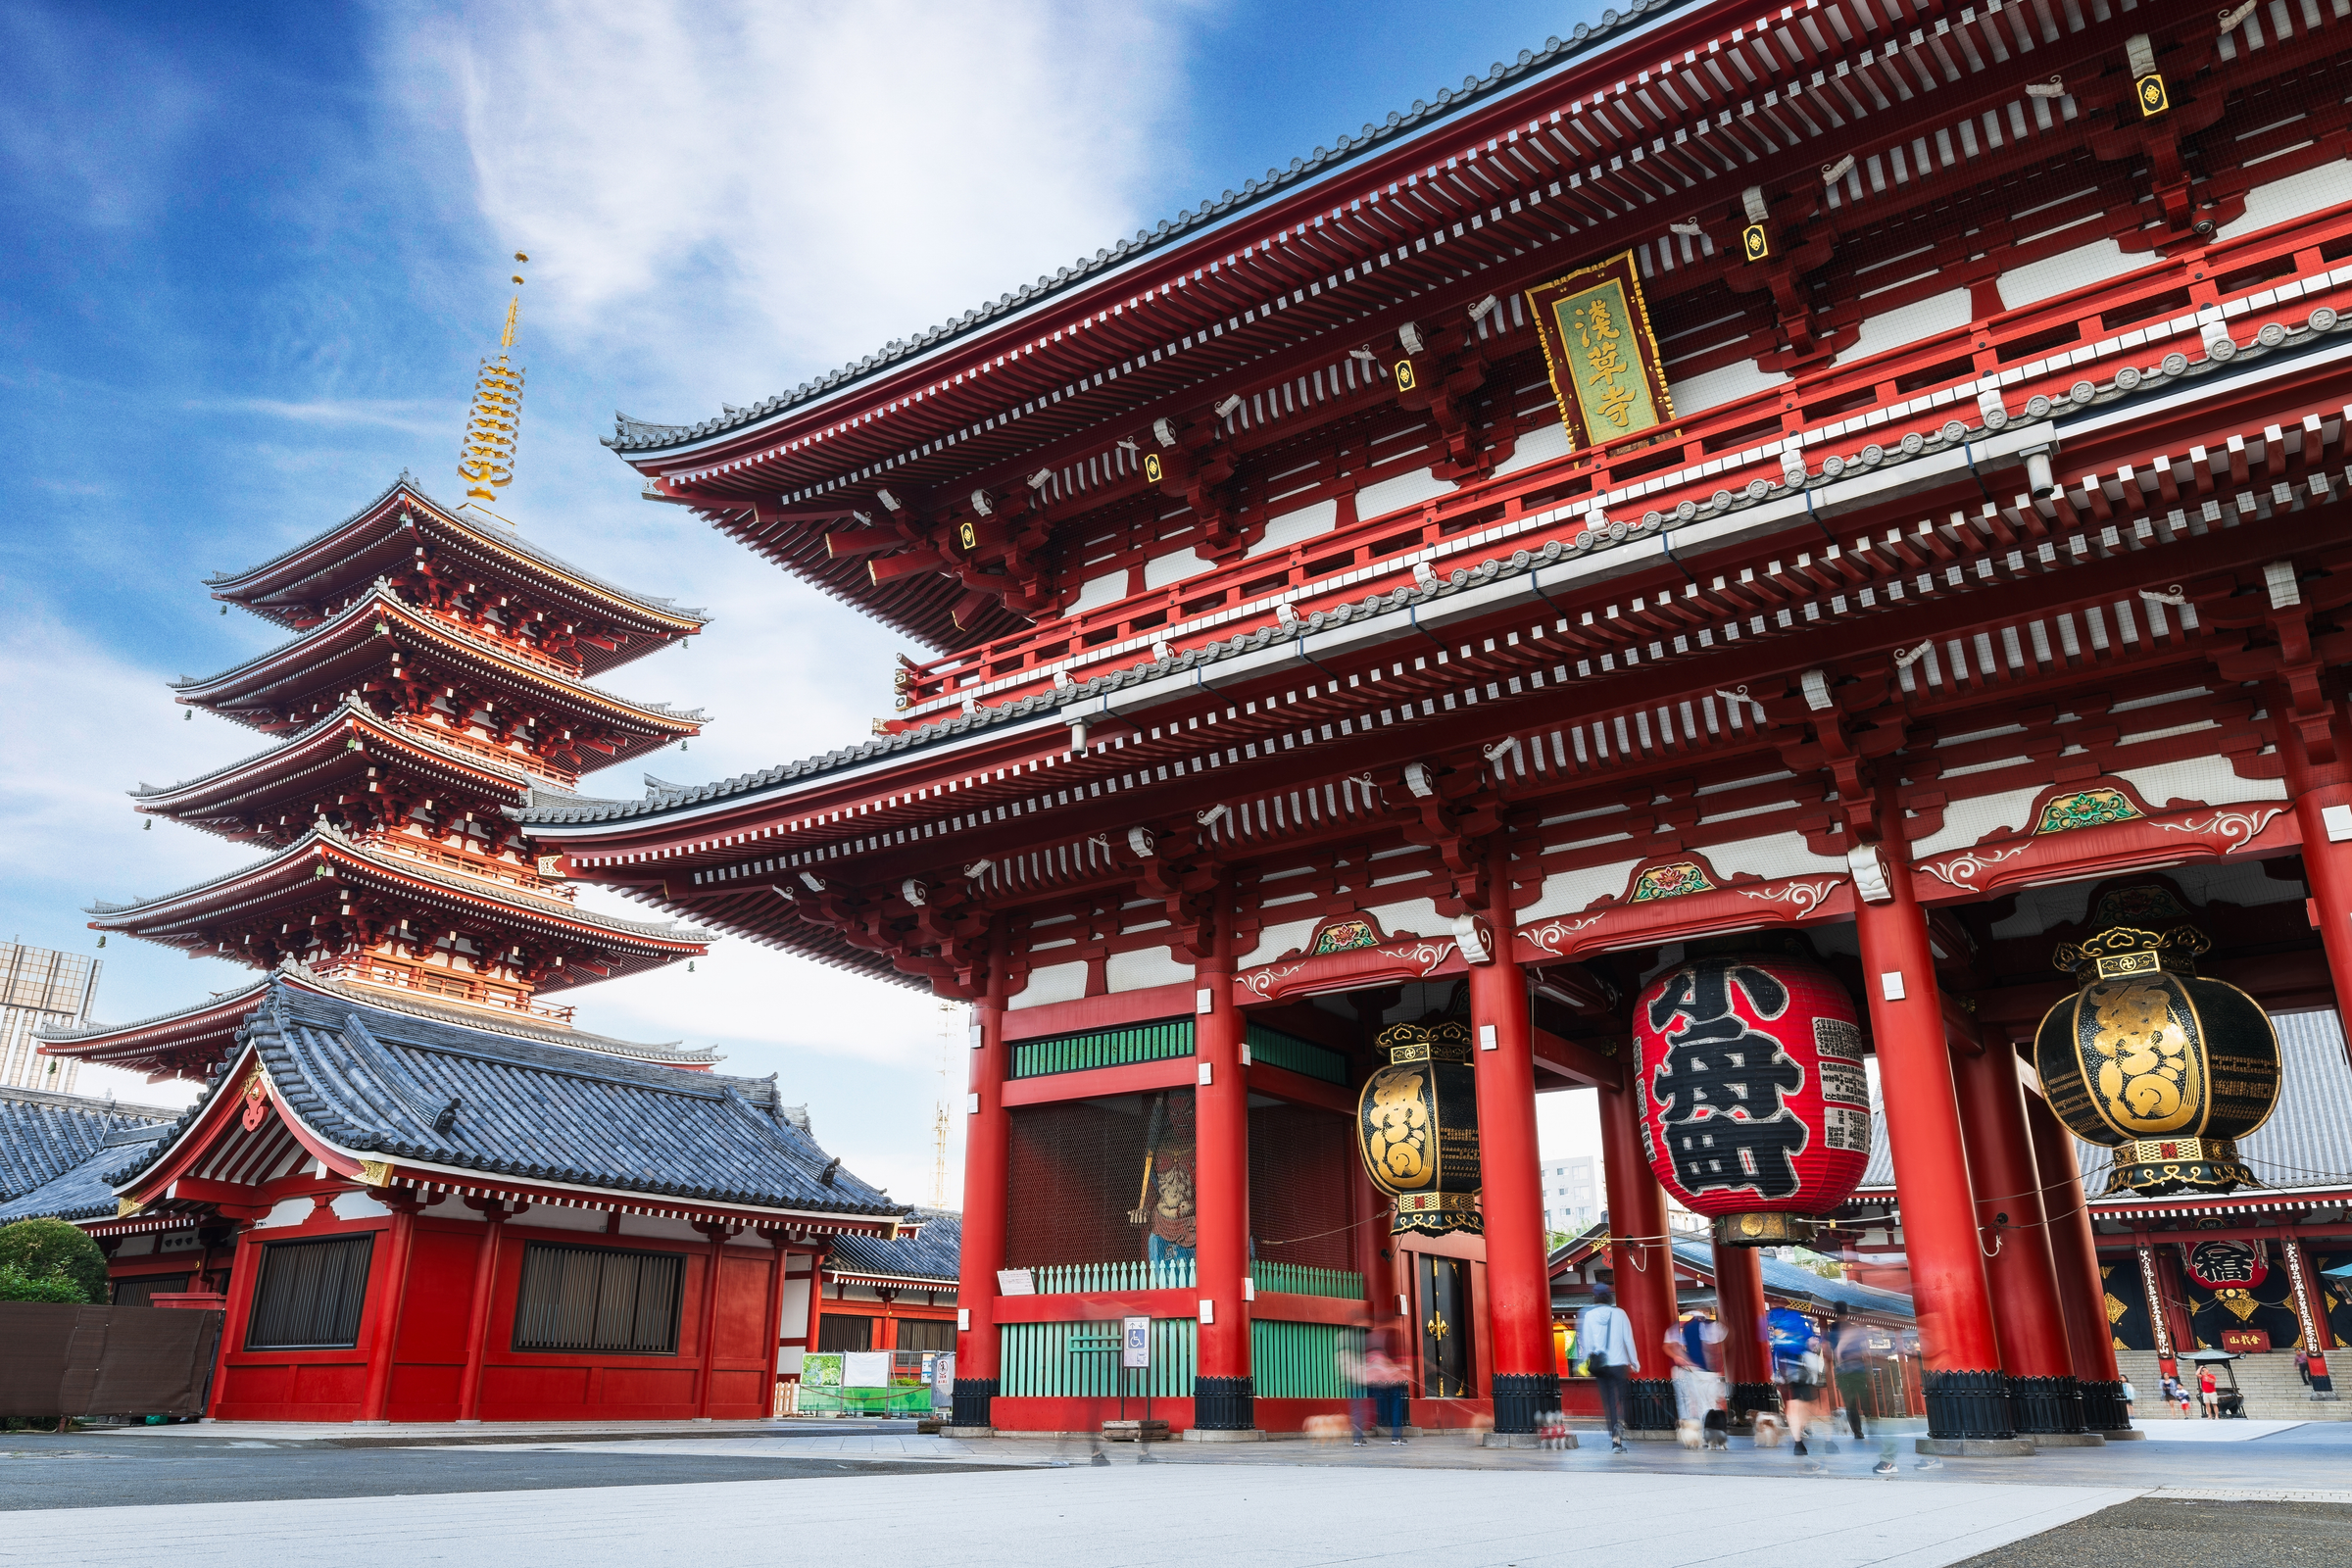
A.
pixel 967 535
pixel 1754 243
pixel 1152 468
pixel 2085 809
pixel 1670 882
pixel 2153 99
pixel 1404 375
pixel 376 1173
pixel 124 1208
pixel 486 461
pixel 1345 936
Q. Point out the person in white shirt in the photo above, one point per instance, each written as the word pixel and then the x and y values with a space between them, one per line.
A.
pixel 1604 1338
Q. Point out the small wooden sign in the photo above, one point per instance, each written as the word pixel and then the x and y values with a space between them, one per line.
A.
pixel 1604 357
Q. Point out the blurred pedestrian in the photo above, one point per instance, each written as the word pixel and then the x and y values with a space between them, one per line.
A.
pixel 1694 1346
pixel 1388 1379
pixel 1604 1337
pixel 2209 1394
pixel 1849 1359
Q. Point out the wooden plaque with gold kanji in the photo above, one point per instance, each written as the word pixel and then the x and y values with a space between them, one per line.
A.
pixel 1602 356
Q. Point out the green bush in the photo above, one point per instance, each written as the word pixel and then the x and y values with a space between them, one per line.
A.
pixel 50 1260
pixel 18 1286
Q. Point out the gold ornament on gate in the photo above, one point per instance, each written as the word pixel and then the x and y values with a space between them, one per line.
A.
pixel 2153 1061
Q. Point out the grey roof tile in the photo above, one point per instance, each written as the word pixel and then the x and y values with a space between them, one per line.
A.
pixel 377 1082
pixel 44 1135
pixel 928 1254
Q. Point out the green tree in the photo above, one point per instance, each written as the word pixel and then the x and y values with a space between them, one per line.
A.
pixel 50 1260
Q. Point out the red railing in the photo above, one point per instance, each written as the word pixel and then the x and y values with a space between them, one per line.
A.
pixel 367 970
pixel 1723 449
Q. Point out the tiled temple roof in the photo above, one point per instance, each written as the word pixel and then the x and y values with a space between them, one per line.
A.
pixel 400 1088
pixel 44 1135
pixel 928 1254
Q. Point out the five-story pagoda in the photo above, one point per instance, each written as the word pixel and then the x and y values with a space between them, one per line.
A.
pixel 439 677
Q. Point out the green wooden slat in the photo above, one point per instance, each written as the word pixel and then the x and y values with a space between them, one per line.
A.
pixel 1110 1048
pixel 1279 1049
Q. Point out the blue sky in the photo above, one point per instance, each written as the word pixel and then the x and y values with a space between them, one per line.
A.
pixel 255 252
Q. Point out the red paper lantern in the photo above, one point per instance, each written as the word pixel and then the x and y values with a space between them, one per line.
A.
pixel 1755 1109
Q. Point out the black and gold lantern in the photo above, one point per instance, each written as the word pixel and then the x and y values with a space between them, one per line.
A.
pixel 1416 1125
pixel 2151 1059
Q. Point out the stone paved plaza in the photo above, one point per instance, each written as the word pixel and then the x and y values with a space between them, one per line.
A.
pixel 229 1494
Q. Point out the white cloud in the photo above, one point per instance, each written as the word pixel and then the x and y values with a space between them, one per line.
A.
pixel 745 195
pixel 723 201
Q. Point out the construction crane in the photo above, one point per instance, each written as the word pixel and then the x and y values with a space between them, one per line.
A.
pixel 948 1012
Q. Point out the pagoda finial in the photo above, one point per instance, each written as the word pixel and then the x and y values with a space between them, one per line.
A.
pixel 486 459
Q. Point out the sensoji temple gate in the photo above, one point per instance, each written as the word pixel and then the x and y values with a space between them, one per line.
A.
pixel 1854 482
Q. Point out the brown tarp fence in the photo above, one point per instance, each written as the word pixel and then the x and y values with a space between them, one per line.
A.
pixel 104 1360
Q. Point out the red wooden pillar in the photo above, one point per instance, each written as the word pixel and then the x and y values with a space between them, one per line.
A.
pixel 719 1234
pixel 2172 1292
pixel 2020 1276
pixel 1223 1394
pixel 1511 1193
pixel 477 1334
pixel 1967 1392
pixel 988 1134
pixel 2316 788
pixel 244 1263
pixel 1740 1309
pixel 771 1316
pixel 384 1343
pixel 1369 1246
pixel 2311 1308
pixel 817 1298
pixel 2074 1261
pixel 1641 1257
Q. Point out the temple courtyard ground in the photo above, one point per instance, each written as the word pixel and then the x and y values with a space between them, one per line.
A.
pixel 2253 1494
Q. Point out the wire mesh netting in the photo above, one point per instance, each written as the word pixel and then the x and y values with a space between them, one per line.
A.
pixel 1100 1181
pixel 1299 1170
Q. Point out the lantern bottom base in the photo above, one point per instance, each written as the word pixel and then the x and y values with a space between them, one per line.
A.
pixel 1765 1228
pixel 2156 1167
pixel 1975 1447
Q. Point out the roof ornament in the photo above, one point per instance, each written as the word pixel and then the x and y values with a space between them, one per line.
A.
pixel 486 459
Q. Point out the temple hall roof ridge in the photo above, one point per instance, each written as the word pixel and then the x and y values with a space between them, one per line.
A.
pixel 641 435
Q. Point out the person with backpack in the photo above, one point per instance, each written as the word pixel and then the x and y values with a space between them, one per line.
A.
pixel 1604 1338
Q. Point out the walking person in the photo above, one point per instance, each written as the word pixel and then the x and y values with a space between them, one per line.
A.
pixel 1850 1357
pixel 2303 1366
pixel 1604 1337
pixel 1387 1379
pixel 1695 1350
pixel 2209 1394
pixel 1801 1377
pixel 1355 1375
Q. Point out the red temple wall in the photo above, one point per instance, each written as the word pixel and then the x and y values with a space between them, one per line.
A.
pixel 435 1311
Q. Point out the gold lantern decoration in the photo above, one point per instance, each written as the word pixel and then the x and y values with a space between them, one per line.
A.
pixel 2161 1065
pixel 1416 1125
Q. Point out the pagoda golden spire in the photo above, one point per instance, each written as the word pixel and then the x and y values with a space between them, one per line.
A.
pixel 486 459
